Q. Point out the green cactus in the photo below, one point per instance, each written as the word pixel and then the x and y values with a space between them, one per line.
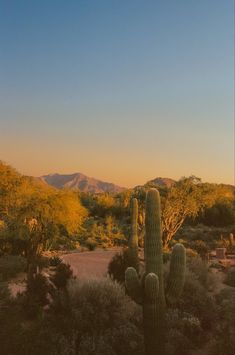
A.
pixel 133 240
pixel 150 291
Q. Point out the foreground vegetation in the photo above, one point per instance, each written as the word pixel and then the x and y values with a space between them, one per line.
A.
pixel 59 314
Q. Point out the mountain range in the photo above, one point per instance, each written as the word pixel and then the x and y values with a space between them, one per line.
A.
pixel 81 182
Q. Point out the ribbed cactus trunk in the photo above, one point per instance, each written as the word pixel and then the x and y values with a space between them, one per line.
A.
pixel 150 292
pixel 154 304
pixel 133 240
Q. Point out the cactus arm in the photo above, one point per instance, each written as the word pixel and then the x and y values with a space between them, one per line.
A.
pixel 153 317
pixel 151 291
pixel 133 285
pixel 175 282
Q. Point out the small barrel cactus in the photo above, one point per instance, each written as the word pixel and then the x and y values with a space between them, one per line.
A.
pixel 150 290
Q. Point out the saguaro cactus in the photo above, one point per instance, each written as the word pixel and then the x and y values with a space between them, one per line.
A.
pixel 150 290
pixel 133 240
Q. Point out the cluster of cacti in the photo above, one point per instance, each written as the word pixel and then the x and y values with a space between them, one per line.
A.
pixel 149 291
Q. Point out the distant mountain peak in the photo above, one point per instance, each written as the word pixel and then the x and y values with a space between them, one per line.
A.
pixel 80 182
pixel 162 182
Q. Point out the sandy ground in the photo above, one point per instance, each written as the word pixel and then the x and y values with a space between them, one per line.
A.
pixel 90 264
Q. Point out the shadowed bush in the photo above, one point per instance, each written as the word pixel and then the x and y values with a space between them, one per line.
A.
pixel 55 261
pixel 230 278
pixel 10 265
pixel 105 317
pixel 62 275
pixel 120 262
pixel 35 296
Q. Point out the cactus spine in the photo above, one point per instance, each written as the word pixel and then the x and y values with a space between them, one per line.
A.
pixel 150 292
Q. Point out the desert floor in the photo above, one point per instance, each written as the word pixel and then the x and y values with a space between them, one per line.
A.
pixel 90 264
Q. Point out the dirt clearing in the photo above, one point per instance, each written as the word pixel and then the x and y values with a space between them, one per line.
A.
pixel 90 264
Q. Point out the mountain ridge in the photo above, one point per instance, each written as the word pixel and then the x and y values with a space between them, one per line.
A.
pixel 83 183
pixel 80 182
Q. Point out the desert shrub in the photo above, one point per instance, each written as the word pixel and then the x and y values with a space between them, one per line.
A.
pixel 4 296
pixel 190 253
pixel 105 318
pixel 184 332
pixel 11 325
pixel 225 333
pixel 196 301
pixel 36 295
pixel 201 248
pixel 10 265
pixel 55 261
pixel 230 277
pixel 94 317
pixel 177 343
pixel 62 275
pixel 202 272
pixel 91 244
pixel 37 286
pixel 219 215
pixel 120 262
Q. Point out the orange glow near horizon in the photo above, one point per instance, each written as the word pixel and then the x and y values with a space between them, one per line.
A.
pixel 124 168
pixel 122 91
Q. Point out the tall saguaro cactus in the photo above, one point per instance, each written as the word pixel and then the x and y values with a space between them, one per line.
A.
pixel 150 290
pixel 133 240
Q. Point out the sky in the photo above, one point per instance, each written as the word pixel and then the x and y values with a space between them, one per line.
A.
pixel 120 90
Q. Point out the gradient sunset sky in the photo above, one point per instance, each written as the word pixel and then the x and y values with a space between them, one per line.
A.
pixel 121 90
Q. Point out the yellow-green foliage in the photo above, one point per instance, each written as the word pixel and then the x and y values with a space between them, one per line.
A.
pixel 33 212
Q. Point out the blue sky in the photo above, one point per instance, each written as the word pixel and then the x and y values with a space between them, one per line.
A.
pixel 123 90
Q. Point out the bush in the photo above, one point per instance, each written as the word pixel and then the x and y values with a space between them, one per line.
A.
pixel 62 275
pixel 184 332
pixel 94 317
pixel 219 215
pixel 201 248
pixel 91 244
pixel 196 301
pixel 4 296
pixel 190 253
pixel 36 295
pixel 10 265
pixel 120 262
pixel 202 272
pixel 230 277
pixel 55 261
pixel 225 334
pixel 105 317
